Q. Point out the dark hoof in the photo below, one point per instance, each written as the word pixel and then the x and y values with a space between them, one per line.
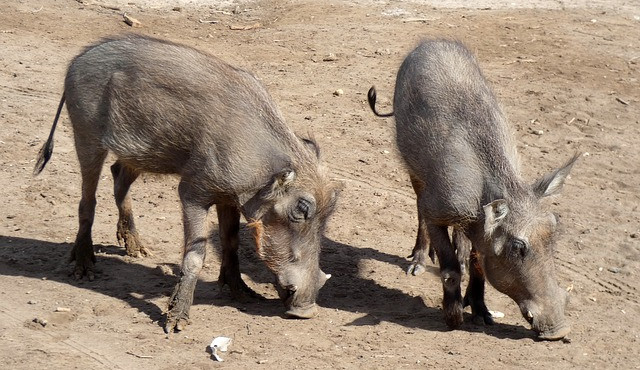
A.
pixel 453 316
pixel 244 294
pixel 482 319
pixel 79 271
pixel 84 265
pixel 480 314
pixel 240 291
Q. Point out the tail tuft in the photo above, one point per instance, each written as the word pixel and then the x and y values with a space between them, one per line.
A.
pixel 43 157
pixel 47 149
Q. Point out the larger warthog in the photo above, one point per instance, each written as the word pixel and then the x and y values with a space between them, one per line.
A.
pixel 463 164
pixel 166 108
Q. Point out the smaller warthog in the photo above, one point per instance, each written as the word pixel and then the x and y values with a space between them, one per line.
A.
pixel 166 108
pixel 463 164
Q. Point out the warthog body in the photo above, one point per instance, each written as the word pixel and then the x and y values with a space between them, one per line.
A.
pixel 166 108
pixel 462 160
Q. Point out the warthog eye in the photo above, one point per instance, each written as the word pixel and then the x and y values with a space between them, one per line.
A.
pixel 302 210
pixel 519 247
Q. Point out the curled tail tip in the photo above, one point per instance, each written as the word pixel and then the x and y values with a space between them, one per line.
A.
pixel 372 96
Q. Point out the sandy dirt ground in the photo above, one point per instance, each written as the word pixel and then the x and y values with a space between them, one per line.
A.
pixel 567 77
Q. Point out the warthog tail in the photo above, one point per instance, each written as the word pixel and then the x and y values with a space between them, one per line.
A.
pixel 47 149
pixel 371 97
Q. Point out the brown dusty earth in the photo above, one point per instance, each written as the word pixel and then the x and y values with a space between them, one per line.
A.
pixel 568 80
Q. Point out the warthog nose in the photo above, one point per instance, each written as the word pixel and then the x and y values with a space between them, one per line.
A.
pixel 304 312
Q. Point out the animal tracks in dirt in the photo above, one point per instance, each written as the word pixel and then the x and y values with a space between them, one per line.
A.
pixel 99 360
pixel 28 92
pixel 369 181
pixel 610 284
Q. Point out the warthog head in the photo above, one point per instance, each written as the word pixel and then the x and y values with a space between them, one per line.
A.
pixel 295 207
pixel 518 256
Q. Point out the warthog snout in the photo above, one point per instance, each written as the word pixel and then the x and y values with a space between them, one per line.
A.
pixel 546 317
pixel 300 303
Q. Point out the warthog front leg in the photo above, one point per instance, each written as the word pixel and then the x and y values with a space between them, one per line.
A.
pixel 449 273
pixel 195 241
pixel 123 177
pixel 463 248
pixel 229 227
pixel 474 296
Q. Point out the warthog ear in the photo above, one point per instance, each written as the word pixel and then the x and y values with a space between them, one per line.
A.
pixel 311 144
pixel 494 214
pixel 276 187
pixel 280 182
pixel 285 177
pixel 551 183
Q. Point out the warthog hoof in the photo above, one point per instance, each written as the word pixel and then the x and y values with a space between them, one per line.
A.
pixel 240 291
pixel 81 270
pixel 82 253
pixel 131 242
pixel 416 268
pixel 453 315
pixel 482 318
pixel 178 313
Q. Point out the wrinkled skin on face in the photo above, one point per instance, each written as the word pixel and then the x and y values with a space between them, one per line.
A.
pixel 519 263
pixel 517 254
pixel 288 239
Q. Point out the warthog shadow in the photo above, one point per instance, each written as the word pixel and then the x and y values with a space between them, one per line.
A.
pixel 137 284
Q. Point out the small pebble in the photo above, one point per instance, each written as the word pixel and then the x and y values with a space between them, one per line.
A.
pixel 32 302
pixel 62 309
pixel 634 235
pixel 331 57
pixel 41 321
pixel 131 21
pixel 338 92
